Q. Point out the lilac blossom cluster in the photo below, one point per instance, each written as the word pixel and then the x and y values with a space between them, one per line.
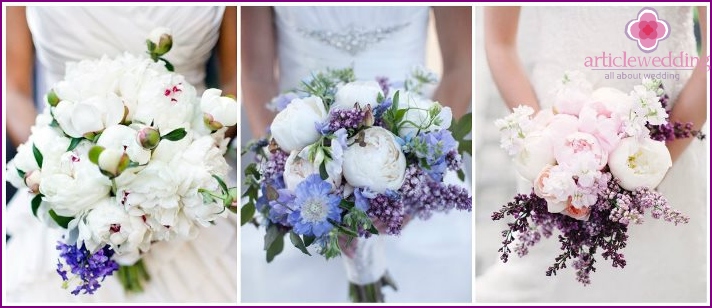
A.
pixel 389 210
pixel 423 195
pixel 605 231
pixel 672 130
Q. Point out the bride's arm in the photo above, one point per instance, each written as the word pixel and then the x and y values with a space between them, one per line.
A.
pixel 259 58
pixel 19 76
pixel 454 28
pixel 691 104
pixel 227 53
pixel 501 47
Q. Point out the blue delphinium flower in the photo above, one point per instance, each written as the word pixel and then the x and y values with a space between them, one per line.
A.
pixel 315 205
pixel 432 149
pixel 90 269
pixel 361 198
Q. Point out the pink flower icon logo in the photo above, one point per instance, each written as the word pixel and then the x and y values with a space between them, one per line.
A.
pixel 648 29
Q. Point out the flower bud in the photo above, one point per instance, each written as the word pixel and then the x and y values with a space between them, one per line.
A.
pixel 32 180
pixel 148 138
pixel 160 41
pixel 113 161
pixel 369 119
pixel 211 123
pixel 52 98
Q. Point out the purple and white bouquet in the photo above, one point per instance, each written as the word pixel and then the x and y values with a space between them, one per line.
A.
pixel 125 155
pixel 346 156
pixel 594 161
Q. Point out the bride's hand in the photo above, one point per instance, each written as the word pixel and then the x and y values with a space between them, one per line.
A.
pixel 691 104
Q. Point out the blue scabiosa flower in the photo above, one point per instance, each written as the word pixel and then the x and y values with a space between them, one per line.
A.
pixel 315 205
pixel 88 269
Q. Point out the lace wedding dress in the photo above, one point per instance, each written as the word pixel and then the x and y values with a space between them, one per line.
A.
pixel 665 263
pixel 200 270
pixel 431 260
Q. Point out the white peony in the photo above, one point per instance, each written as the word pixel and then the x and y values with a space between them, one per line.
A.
pixel 376 161
pixel 108 223
pixel 295 127
pixel 639 163
pixel 168 101
pixel 536 153
pixel 222 109
pixel 76 186
pixel 50 142
pixel 418 115
pixel 358 92
pixel 91 115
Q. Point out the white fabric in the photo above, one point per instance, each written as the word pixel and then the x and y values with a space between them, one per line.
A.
pixel 368 263
pixel 665 263
pixel 201 270
pixel 431 260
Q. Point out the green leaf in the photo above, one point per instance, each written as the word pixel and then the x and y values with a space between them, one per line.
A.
pixel 20 173
pixel 60 220
pixel 275 249
pixel 461 175
pixel 342 229
pixel 271 235
pixel 297 242
pixel 175 135
pixel 322 171
pixel 38 155
pixel 308 240
pixel 169 66
pixel 247 213
pixel 74 143
pixel 150 45
pixel 462 127
pixel 36 201
pixel 222 184
pixel 465 147
pixel 396 100
pixel 373 230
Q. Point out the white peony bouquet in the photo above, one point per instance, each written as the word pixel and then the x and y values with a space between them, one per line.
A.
pixel 594 160
pixel 124 155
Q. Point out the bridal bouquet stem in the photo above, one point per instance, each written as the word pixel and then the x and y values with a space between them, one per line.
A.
pixel 594 160
pixel 125 155
pixel 348 160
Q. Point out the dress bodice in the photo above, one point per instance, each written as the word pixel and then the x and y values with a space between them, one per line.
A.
pixel 376 41
pixel 68 34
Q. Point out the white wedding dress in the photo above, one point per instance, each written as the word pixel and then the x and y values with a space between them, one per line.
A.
pixel 665 263
pixel 431 260
pixel 200 270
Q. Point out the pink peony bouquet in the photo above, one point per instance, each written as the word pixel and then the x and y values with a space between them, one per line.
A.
pixel 594 160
